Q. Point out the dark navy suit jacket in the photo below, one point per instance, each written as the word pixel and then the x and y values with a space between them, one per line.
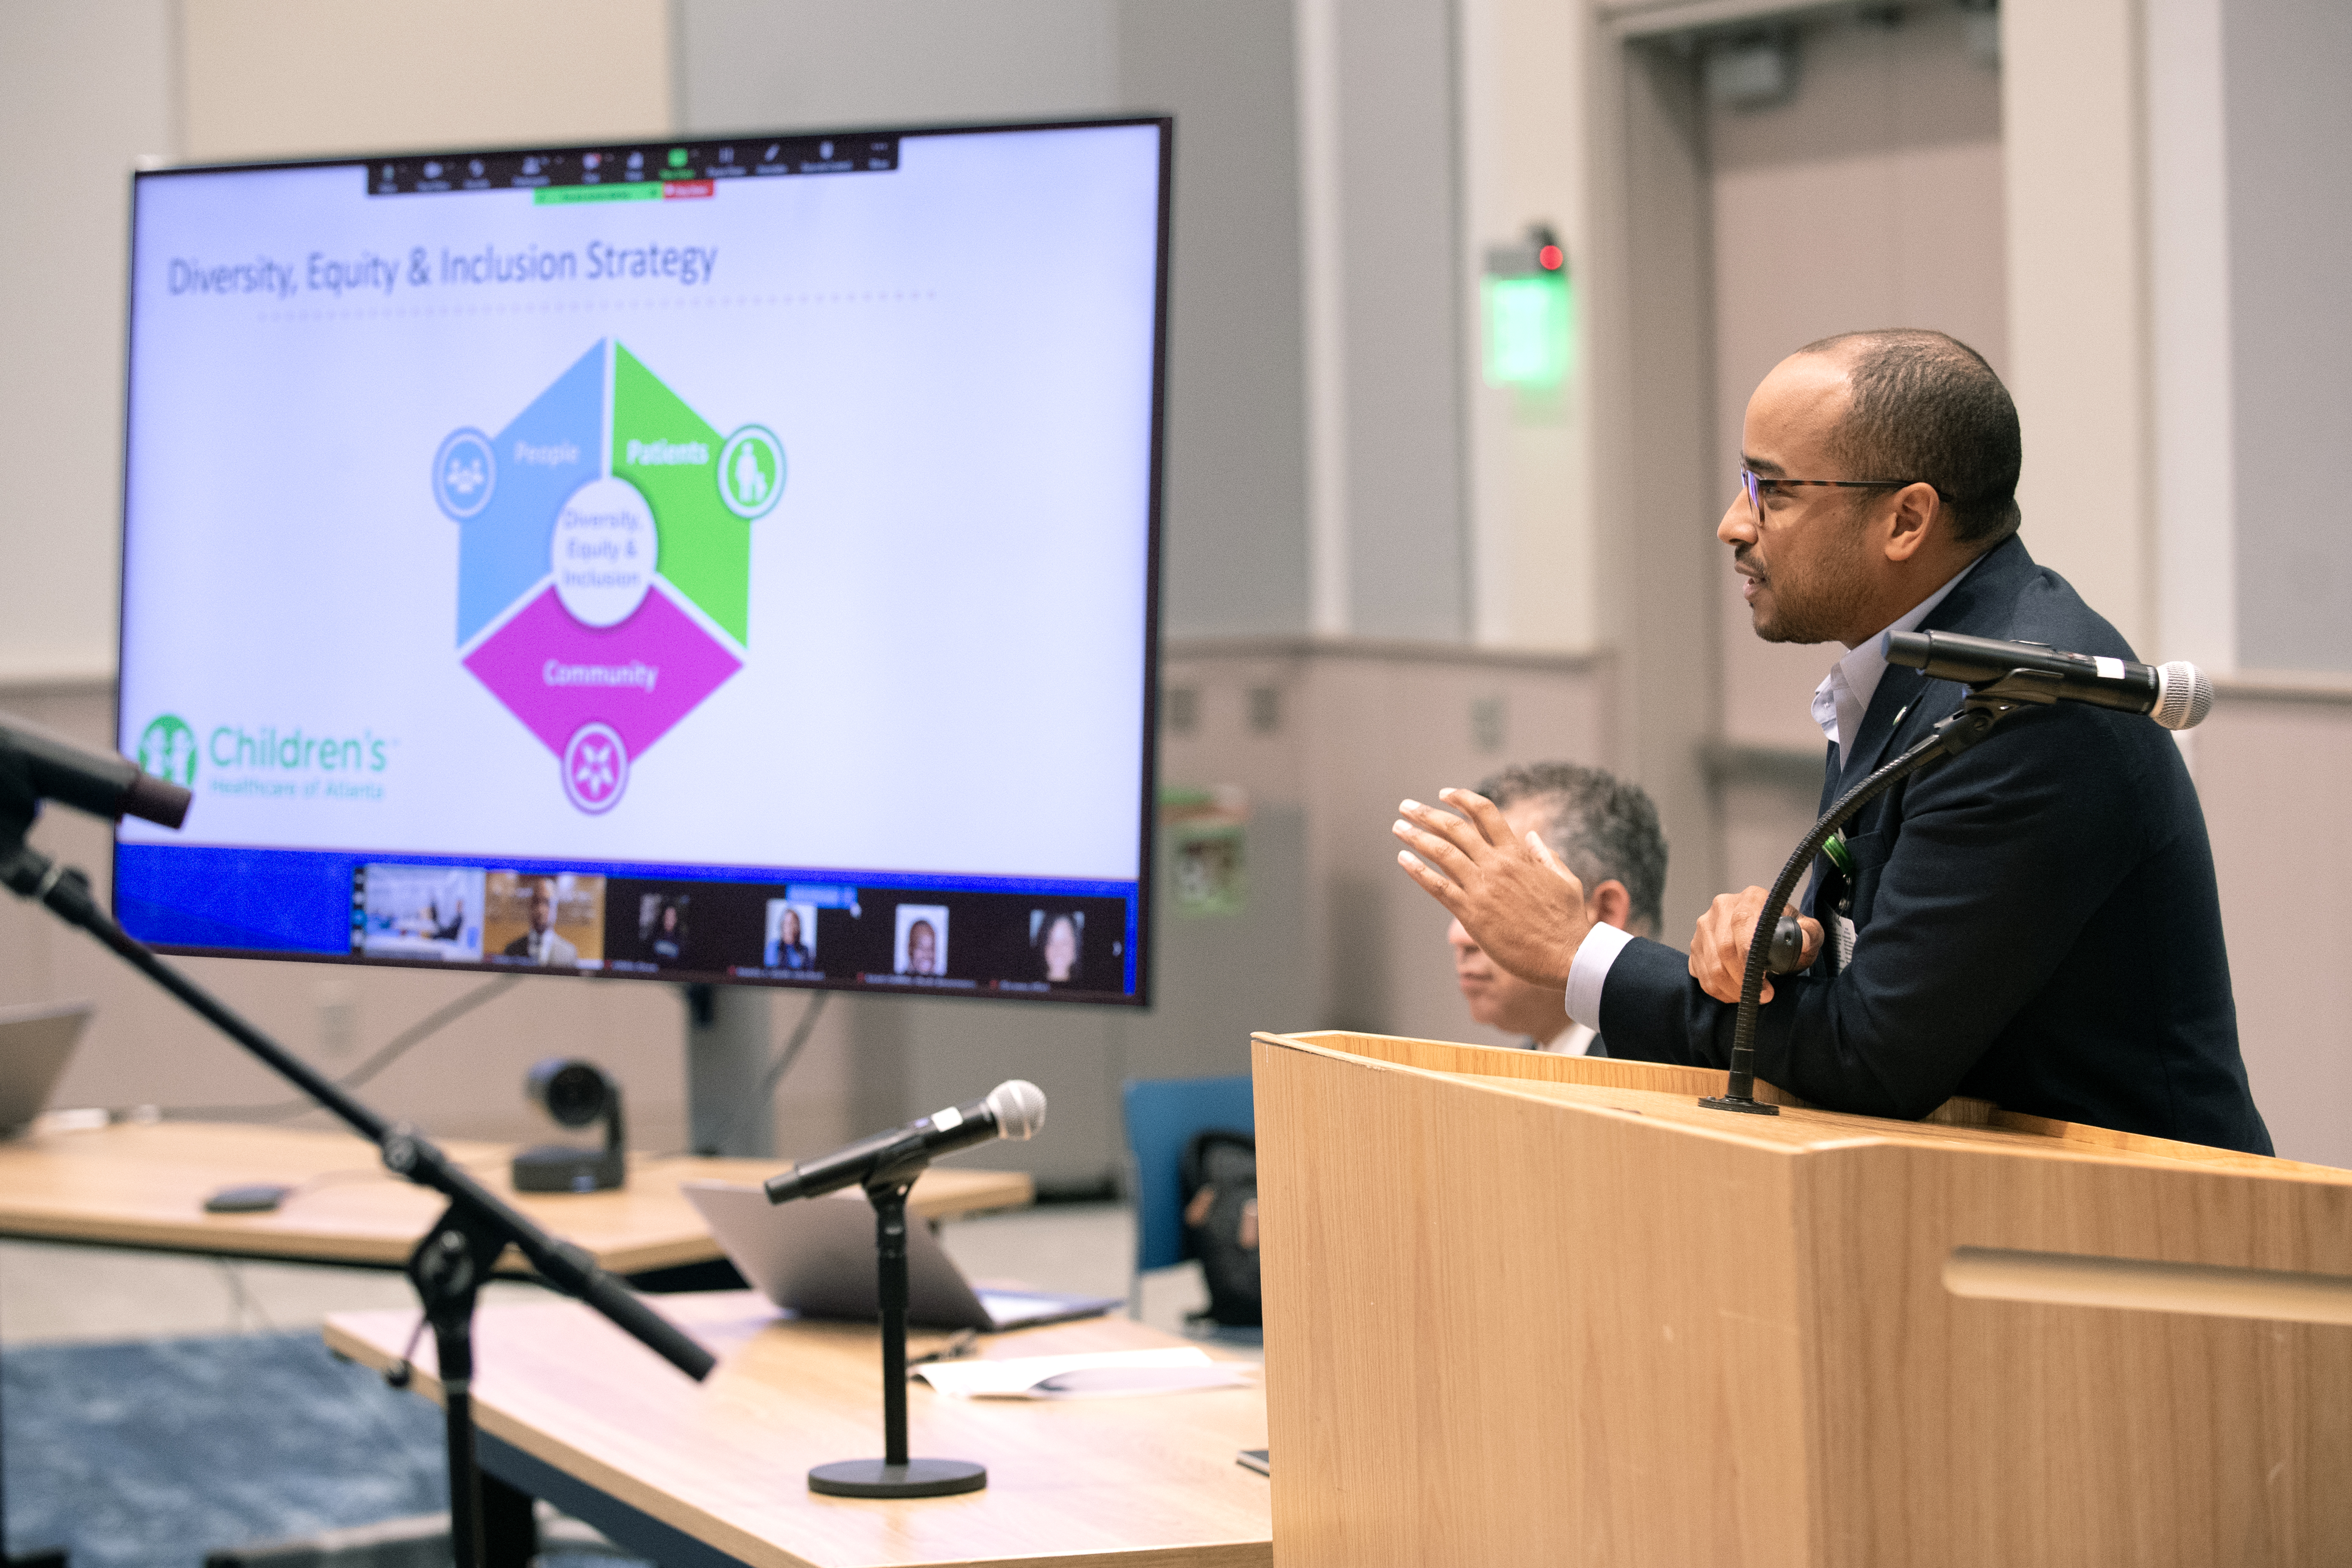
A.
pixel 2037 921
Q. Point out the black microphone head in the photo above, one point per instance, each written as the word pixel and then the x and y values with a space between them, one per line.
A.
pixel 2184 695
pixel 159 801
pixel 1019 1107
pixel 1908 649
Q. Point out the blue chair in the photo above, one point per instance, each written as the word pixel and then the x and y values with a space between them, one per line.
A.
pixel 1162 1116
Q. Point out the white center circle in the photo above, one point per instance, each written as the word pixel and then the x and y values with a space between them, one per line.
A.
pixel 605 551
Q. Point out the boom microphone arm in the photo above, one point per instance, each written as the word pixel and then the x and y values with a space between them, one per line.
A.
pixel 455 1258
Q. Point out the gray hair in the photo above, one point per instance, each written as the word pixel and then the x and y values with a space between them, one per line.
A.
pixel 1601 827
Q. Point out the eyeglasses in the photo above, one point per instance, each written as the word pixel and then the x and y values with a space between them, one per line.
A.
pixel 1753 483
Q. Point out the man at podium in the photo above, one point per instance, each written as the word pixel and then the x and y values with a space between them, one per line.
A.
pixel 2033 922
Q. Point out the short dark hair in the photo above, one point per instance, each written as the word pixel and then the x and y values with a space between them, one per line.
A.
pixel 1601 827
pixel 1928 406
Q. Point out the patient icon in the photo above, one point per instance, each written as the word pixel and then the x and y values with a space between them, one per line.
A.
pixel 750 472
pixel 751 483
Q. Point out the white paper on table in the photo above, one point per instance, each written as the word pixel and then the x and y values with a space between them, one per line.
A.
pixel 1102 1374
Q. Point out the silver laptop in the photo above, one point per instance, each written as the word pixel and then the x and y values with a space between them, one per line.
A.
pixel 815 1258
pixel 33 1045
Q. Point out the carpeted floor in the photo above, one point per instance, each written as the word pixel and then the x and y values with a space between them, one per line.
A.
pixel 151 1454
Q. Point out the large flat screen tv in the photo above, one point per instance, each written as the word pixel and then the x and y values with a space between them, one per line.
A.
pixel 718 559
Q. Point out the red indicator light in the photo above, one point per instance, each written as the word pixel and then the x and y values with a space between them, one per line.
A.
pixel 1550 258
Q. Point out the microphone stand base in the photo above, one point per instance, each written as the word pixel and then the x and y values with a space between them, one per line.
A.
pixel 879 1478
pixel 1747 1107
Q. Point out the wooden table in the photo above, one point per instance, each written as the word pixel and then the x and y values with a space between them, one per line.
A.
pixel 701 1475
pixel 145 1186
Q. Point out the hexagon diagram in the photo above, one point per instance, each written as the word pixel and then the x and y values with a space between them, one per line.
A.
pixel 604 562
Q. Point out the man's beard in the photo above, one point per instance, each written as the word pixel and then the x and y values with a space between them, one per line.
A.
pixel 1824 606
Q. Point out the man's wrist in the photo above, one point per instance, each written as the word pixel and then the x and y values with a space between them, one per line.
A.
pixel 1588 972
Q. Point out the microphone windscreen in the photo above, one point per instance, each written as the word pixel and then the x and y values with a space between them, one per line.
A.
pixel 155 800
pixel 1019 1107
pixel 2184 695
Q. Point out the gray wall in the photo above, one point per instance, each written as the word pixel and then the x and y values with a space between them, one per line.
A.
pixel 2288 113
pixel 1235 556
pixel 62 268
pixel 1399 222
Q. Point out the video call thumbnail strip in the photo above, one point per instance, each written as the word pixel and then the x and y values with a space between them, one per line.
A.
pixel 810 931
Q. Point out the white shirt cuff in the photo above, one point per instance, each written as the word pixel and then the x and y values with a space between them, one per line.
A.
pixel 1589 971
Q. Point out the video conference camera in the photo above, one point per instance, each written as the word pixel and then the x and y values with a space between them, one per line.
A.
pixel 575 1093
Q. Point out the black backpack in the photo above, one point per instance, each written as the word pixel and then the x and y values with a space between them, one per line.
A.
pixel 1220 1184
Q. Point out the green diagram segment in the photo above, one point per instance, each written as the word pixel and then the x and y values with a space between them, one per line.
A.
pixel 672 455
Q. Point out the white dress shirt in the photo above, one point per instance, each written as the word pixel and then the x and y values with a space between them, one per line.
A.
pixel 1844 696
pixel 1839 703
pixel 1572 1041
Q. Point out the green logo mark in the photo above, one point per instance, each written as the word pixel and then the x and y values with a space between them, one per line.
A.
pixel 167 748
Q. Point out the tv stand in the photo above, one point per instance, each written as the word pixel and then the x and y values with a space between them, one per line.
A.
pixel 727 1049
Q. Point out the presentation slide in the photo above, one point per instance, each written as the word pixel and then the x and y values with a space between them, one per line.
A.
pixel 756 513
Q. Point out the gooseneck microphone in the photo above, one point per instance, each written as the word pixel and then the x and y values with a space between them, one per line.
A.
pixel 1013 1109
pixel 2177 695
pixel 98 783
pixel 2002 677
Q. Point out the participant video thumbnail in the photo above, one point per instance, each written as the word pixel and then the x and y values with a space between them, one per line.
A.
pixel 1057 945
pixel 419 912
pixel 661 925
pixel 551 921
pixel 920 947
pixel 791 936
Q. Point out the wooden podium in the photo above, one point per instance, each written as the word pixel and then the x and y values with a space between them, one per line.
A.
pixel 1526 1309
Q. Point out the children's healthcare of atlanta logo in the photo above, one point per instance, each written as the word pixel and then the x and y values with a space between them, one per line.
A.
pixel 603 585
pixel 167 749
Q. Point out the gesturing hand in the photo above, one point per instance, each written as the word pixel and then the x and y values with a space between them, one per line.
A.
pixel 1514 897
pixel 1718 955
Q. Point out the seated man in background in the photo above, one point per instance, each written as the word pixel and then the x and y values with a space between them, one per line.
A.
pixel 1604 830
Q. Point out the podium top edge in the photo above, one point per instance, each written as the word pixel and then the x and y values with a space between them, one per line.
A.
pixel 1670 1093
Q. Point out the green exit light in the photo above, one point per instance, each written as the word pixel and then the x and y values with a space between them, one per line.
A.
pixel 1530 323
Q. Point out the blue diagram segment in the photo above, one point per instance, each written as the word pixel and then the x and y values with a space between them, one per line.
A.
pixel 551 450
